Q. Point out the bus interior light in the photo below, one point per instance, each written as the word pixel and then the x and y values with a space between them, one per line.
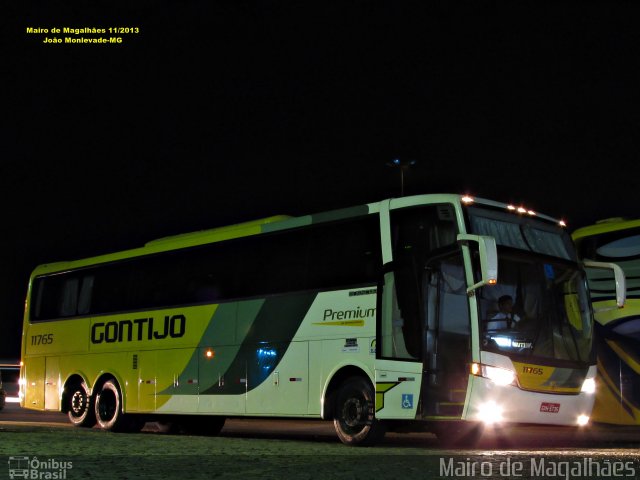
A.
pixel 467 199
pixel 504 342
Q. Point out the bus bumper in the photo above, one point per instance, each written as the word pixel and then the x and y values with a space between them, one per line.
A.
pixel 494 404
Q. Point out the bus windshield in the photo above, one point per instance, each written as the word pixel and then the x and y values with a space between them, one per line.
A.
pixel 523 233
pixel 540 306
pixel 537 309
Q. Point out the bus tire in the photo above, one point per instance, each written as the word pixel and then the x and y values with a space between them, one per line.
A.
pixel 80 407
pixel 108 408
pixel 354 414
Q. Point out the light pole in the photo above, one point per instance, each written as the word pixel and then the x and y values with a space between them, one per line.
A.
pixel 402 165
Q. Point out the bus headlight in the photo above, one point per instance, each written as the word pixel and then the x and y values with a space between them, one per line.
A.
pixel 582 420
pixel 490 412
pixel 499 376
pixel 589 385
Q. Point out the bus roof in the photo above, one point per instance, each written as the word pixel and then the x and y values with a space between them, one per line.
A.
pixel 218 233
pixel 272 224
pixel 168 243
pixel 605 226
pixel 201 237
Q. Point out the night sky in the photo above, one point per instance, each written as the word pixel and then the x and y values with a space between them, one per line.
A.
pixel 219 112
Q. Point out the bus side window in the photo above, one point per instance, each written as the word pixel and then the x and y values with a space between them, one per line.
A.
pixel 69 298
pixel 86 290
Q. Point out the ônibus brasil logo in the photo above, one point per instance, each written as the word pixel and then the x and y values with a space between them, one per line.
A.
pixel 34 468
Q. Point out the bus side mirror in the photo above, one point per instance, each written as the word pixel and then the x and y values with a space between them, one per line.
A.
pixel 618 274
pixel 488 258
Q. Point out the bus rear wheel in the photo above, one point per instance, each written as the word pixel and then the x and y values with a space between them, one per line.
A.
pixel 80 410
pixel 108 410
pixel 354 414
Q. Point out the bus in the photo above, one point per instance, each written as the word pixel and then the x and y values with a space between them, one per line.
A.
pixel 377 317
pixel 617 331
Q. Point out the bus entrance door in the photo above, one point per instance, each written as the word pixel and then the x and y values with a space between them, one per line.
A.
pixel 447 338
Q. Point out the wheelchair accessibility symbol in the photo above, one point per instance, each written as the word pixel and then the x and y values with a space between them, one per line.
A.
pixel 407 400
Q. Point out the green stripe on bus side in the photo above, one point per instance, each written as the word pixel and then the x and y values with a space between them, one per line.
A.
pixel 222 330
pixel 235 333
pixel 294 222
pixel 341 214
pixel 331 216
pixel 272 330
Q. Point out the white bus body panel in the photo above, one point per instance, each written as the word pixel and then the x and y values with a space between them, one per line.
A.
pixel 515 405
pixel 397 389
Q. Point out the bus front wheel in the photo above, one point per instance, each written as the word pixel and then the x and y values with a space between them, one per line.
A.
pixel 80 410
pixel 354 414
pixel 108 410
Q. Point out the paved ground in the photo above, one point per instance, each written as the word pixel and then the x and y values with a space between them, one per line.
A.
pixel 529 436
pixel 44 445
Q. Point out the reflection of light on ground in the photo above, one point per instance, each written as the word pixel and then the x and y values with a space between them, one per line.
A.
pixel 501 438
pixel 601 452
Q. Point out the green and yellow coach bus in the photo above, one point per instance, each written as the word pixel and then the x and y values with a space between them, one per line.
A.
pixel 617 330
pixel 379 317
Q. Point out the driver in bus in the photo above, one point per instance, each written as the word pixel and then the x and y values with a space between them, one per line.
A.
pixel 505 318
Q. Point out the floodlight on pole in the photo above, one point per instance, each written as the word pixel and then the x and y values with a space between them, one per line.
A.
pixel 402 165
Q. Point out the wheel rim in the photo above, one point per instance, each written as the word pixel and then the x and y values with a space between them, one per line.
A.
pixel 78 403
pixel 355 414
